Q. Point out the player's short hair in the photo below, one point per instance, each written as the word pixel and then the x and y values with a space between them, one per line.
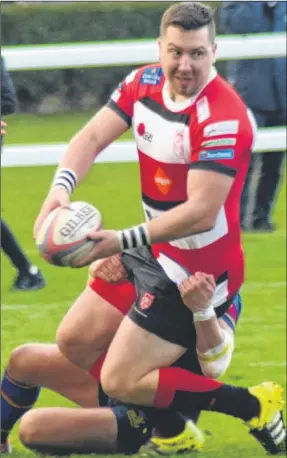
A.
pixel 189 16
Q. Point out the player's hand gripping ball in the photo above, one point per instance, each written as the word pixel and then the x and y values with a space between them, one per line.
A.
pixel 62 239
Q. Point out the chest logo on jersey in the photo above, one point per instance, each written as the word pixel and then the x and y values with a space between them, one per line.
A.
pixel 162 181
pixel 178 144
pixel 146 301
pixel 216 155
pixel 151 76
pixel 141 130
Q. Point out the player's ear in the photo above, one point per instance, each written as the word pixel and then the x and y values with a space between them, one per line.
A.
pixel 159 47
pixel 214 50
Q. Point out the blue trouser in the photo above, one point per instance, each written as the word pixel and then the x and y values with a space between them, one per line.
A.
pixel 271 166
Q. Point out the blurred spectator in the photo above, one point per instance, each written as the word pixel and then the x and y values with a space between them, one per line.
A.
pixel 28 276
pixel 262 84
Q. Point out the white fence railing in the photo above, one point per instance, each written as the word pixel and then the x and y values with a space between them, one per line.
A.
pixel 133 52
pixel 273 139
pixel 122 53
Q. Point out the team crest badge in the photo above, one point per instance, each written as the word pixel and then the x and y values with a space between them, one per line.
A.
pixel 146 301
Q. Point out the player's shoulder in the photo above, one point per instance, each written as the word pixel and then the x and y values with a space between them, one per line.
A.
pixel 151 75
pixel 219 106
pixel 148 77
pixel 224 98
pixel 221 117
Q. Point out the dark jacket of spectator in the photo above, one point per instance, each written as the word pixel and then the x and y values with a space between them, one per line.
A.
pixel 261 82
pixel 8 94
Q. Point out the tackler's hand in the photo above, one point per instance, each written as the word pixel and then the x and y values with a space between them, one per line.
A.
pixel 109 269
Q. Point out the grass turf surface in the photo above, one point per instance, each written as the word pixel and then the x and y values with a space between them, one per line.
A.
pixel 261 335
pixel 57 128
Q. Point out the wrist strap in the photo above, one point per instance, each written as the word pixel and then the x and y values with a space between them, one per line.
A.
pixel 134 237
pixel 66 178
pixel 204 315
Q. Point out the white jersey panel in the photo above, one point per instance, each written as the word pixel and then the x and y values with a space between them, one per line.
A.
pixel 197 241
pixel 177 274
pixel 162 140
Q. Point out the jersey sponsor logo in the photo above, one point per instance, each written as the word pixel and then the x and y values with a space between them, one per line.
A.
pixel 141 130
pixel 202 110
pixel 219 142
pixel 146 301
pixel 151 76
pixel 162 181
pixel 221 128
pixel 216 155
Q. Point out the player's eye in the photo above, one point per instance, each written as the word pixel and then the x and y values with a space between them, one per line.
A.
pixel 175 52
pixel 197 54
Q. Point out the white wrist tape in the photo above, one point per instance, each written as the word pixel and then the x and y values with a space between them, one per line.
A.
pixel 66 178
pixel 215 362
pixel 204 315
pixel 134 237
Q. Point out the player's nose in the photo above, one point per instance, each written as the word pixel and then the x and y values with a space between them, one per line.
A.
pixel 185 63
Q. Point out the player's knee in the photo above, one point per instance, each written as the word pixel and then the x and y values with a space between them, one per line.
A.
pixel 18 364
pixel 78 346
pixel 72 345
pixel 78 343
pixel 29 429
pixel 116 384
pixel 215 362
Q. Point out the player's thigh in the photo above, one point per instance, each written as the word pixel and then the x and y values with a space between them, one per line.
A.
pixel 93 320
pixel 44 365
pixel 135 351
pixel 89 430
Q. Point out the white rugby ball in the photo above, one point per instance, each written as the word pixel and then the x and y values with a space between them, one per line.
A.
pixel 62 239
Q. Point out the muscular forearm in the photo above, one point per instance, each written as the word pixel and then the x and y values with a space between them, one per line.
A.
pixel 186 219
pixel 208 334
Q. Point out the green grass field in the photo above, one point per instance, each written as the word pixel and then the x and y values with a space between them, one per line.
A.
pixel 261 336
pixel 57 128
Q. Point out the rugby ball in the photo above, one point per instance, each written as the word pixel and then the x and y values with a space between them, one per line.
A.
pixel 62 238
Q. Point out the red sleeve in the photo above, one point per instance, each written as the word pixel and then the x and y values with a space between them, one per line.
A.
pixel 123 98
pixel 223 144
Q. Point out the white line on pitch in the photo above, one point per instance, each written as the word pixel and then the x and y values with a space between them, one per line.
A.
pixel 246 287
pixel 5 307
pixel 265 285
pixel 268 363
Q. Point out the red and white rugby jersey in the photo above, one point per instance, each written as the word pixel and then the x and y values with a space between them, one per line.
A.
pixel 211 131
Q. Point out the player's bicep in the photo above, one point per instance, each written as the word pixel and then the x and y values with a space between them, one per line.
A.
pixel 106 126
pixel 209 187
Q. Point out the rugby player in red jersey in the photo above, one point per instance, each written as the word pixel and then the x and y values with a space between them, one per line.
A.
pixel 194 136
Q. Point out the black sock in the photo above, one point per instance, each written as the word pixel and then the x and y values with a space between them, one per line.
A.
pixel 227 399
pixel 167 422
pixel 12 249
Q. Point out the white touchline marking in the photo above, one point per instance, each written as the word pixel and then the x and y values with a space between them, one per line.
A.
pixel 246 287
pixel 268 364
pixel 266 285
pixel 7 307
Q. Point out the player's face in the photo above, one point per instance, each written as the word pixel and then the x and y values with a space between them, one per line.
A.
pixel 186 58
